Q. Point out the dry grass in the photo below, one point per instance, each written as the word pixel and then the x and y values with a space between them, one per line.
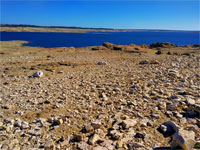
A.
pixel 14 48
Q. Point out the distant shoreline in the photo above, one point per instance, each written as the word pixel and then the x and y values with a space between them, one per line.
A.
pixel 62 30
pixel 80 30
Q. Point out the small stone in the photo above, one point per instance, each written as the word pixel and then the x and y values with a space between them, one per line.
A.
pixel 13 143
pixel 65 141
pixel 94 139
pixel 82 145
pixel 1 124
pixel 24 125
pixel 157 116
pixel 193 114
pixel 5 107
pixel 99 148
pixel 134 145
pixel 108 144
pixel 154 62
pixel 140 135
pixel 4 146
pixel 60 72
pixel 115 135
pixel 88 128
pixel 183 120
pixel 37 74
pixel 158 52
pixel 79 137
pixel 16 147
pixel 101 63
pixel 49 145
pixel 34 132
pixel 145 122
pixel 9 128
pixel 195 129
pixel 143 62
pixel 190 101
pixel 58 121
pixel 18 123
pixel 172 107
pixel 96 124
pixel 178 115
pixel 100 132
pixel 103 95
pixel 130 133
pixel 129 123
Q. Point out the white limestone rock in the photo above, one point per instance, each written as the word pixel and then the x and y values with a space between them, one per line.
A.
pixel 38 74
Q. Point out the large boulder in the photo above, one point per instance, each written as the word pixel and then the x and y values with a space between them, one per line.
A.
pixel 108 45
pixel 165 45
pixel 184 139
pixel 167 129
pixel 181 138
pixel 143 46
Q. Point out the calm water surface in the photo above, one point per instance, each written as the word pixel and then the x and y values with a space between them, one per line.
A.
pixel 48 40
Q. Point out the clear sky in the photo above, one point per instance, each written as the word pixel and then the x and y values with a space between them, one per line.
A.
pixel 181 14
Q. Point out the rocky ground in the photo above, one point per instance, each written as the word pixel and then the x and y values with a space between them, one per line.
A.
pixel 99 98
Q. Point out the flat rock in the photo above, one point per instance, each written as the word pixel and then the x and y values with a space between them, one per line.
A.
pixel 129 123
pixel 94 139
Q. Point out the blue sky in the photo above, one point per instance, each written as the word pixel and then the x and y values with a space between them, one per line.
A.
pixel 181 15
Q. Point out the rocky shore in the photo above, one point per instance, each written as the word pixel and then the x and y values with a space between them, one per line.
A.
pixel 109 97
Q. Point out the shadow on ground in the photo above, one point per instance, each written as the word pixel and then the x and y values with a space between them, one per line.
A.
pixel 164 148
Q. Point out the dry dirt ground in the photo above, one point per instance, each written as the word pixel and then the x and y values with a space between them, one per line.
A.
pixel 80 104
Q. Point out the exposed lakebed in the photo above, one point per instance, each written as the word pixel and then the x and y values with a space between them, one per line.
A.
pixel 47 40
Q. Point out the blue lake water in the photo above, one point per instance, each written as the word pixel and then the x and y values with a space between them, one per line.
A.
pixel 48 40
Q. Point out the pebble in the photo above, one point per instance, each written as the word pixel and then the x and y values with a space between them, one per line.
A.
pixel 129 123
pixel 96 124
pixel 93 139
pixel 101 63
pixel 38 74
pixel 115 135
pixel 49 145
pixel 144 62
pixel 88 128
